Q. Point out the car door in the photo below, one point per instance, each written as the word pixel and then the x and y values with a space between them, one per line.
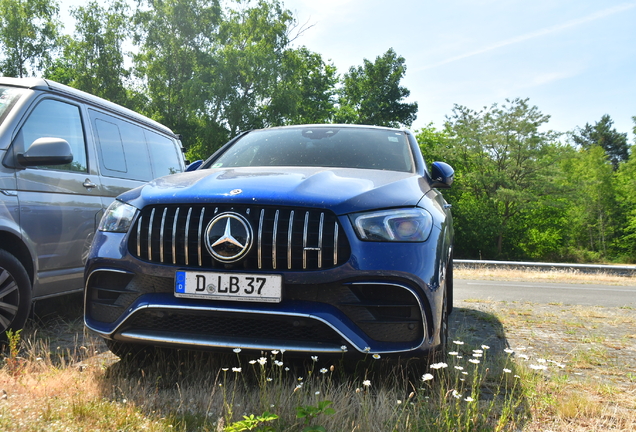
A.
pixel 60 205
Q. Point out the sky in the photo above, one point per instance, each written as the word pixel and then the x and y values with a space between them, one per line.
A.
pixel 574 59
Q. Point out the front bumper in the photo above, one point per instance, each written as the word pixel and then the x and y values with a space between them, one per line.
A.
pixel 385 299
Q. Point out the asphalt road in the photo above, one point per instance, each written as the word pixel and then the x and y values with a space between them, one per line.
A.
pixel 542 292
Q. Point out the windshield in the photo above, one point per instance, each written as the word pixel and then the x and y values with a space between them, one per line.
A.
pixel 8 97
pixel 345 147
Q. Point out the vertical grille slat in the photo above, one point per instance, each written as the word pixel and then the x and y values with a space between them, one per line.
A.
pixel 335 245
pixel 139 223
pixel 152 219
pixel 320 228
pixel 161 232
pixel 260 239
pixel 290 231
pixel 186 248
pixel 305 232
pixel 200 237
pixel 174 236
pixel 293 239
pixel 274 234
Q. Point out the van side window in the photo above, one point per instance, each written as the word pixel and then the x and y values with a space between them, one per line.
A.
pixel 56 119
pixel 123 152
pixel 163 154
pixel 111 148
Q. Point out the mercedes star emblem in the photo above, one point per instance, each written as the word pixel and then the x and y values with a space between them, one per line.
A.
pixel 228 237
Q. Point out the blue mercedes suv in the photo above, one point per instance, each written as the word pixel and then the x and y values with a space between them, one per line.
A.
pixel 312 239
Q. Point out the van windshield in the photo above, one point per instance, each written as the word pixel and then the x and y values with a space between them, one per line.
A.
pixel 8 97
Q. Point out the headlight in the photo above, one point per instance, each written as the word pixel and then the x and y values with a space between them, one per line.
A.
pixel 400 225
pixel 118 217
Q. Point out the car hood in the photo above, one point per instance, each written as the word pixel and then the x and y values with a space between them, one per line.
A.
pixel 341 190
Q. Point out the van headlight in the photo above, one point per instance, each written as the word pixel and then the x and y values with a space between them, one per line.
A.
pixel 399 225
pixel 118 217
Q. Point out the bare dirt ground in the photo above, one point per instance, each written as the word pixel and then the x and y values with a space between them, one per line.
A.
pixel 597 342
pixel 590 350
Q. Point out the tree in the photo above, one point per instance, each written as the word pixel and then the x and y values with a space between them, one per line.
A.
pixel 593 209
pixel 93 60
pixel 305 90
pixel 174 40
pixel 247 65
pixel 613 142
pixel 371 93
pixel 506 169
pixel 626 196
pixel 28 34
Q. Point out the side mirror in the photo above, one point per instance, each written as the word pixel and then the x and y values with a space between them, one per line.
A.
pixel 442 175
pixel 194 165
pixel 46 151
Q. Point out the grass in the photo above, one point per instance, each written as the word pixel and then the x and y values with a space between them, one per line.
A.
pixel 521 367
pixel 202 392
pixel 553 276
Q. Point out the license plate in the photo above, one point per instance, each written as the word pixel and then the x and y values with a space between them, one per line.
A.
pixel 228 286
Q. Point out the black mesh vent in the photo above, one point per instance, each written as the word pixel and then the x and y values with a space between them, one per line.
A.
pixel 110 293
pixel 251 326
pixel 175 235
pixel 385 312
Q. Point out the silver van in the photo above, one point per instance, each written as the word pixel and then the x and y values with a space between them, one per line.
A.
pixel 64 156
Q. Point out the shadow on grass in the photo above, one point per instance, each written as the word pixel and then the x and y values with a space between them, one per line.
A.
pixel 207 391
pixel 199 390
pixel 477 328
pixel 57 320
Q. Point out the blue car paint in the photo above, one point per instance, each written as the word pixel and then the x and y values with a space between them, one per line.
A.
pixel 403 263
pixel 349 191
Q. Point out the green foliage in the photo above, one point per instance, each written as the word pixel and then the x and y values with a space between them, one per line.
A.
pixel 519 193
pixel 28 33
pixel 592 201
pixel 601 134
pixel 13 363
pixel 205 68
pixel 213 71
pixel 93 60
pixel 252 42
pixel 371 93
pixel 305 92
pixel 504 168
pixel 310 412
pixel 210 69
pixel 173 38
pixel 626 196
pixel 13 338
pixel 252 422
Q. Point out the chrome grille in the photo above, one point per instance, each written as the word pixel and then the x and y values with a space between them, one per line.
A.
pixel 285 238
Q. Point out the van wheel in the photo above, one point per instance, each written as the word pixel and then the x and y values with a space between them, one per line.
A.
pixel 15 294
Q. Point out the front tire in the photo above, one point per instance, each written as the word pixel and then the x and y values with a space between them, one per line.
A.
pixel 440 351
pixel 15 294
pixel 443 327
